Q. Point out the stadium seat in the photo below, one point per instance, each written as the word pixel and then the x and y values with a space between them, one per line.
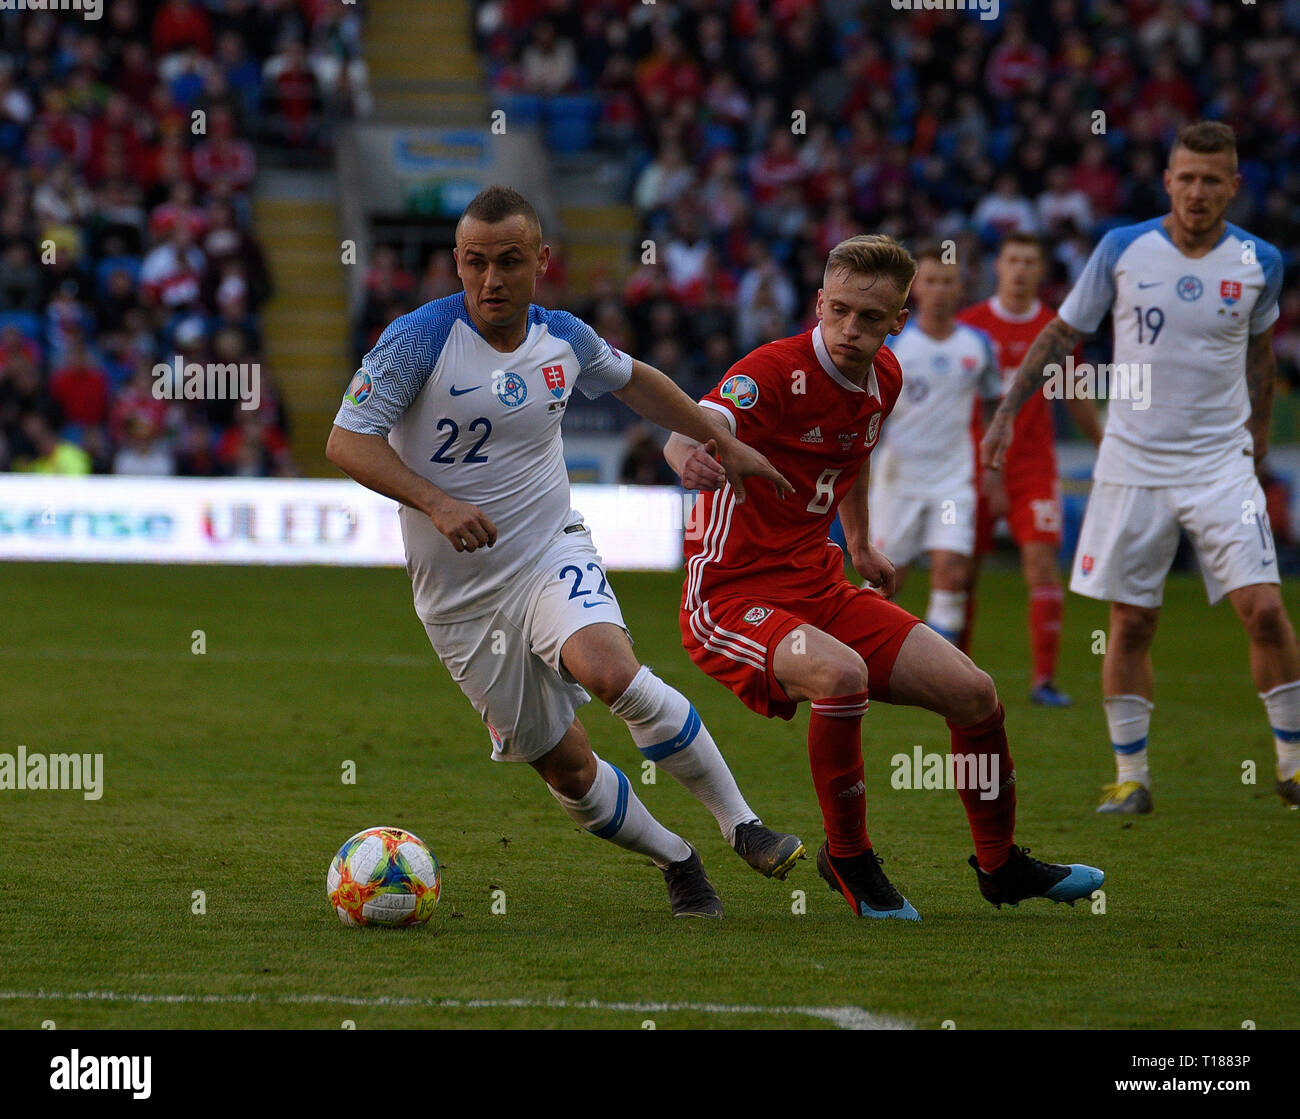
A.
pixel 522 108
pixel 111 264
pixel 570 122
pixel 26 321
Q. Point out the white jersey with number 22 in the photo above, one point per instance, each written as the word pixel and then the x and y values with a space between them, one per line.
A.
pixel 484 427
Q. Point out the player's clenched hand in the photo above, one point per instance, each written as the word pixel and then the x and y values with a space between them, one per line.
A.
pixel 874 566
pixel 701 470
pixel 741 461
pixel 993 447
pixel 465 525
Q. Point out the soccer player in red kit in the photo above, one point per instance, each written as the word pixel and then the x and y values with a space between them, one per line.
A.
pixel 1027 490
pixel 767 610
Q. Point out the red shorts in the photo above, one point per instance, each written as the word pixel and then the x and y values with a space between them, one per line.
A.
pixel 734 638
pixel 1033 512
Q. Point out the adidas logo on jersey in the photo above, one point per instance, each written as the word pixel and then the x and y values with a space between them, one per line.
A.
pixel 813 436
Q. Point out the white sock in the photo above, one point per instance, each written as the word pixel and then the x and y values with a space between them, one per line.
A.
pixel 1283 706
pixel 1129 720
pixel 667 730
pixel 946 614
pixel 611 810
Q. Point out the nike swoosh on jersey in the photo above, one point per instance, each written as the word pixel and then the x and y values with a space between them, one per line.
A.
pixel 1151 284
pixel 461 392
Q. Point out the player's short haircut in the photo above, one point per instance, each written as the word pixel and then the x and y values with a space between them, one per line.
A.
pixel 1019 237
pixel 1206 137
pixel 872 254
pixel 496 203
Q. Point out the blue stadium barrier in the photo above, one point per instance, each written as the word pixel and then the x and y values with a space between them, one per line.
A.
pixel 571 122
pixel 522 108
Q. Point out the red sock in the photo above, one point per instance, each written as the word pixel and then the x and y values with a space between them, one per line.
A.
pixel 1046 605
pixel 992 822
pixel 835 751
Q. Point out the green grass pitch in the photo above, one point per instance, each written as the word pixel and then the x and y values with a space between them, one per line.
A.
pixel 222 774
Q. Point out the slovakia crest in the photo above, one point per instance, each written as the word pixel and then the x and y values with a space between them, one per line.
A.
pixel 970 363
pixel 1085 565
pixel 1230 290
pixel 740 390
pixel 511 389
pixel 554 375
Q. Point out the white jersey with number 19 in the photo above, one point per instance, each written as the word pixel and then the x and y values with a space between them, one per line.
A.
pixel 484 427
pixel 1183 323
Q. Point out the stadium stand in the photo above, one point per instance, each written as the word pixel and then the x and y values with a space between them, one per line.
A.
pixel 694 101
pixel 129 155
pixel 125 238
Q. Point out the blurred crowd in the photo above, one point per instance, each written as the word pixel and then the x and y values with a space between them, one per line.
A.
pixel 758 135
pixel 127 160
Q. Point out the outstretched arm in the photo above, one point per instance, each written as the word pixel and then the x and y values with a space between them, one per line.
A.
pixel 695 463
pixel 1054 343
pixel 1261 373
pixel 653 395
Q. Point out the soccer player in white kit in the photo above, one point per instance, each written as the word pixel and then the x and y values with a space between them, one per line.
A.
pixel 922 495
pixel 1193 300
pixel 456 414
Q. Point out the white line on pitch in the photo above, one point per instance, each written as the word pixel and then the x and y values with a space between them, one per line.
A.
pixel 239 656
pixel 845 1017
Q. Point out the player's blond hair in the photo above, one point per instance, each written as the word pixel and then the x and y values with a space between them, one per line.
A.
pixel 873 254
pixel 1206 137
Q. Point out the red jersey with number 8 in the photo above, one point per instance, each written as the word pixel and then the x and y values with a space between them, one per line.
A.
pixel 789 401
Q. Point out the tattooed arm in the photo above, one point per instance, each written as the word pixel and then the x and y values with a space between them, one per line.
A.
pixel 1261 371
pixel 1054 342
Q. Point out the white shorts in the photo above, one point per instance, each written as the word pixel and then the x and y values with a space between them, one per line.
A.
pixel 508 662
pixel 903 526
pixel 1130 535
